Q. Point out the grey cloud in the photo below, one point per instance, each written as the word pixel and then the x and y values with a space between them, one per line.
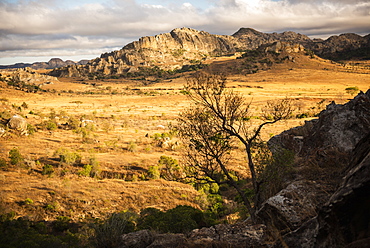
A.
pixel 37 24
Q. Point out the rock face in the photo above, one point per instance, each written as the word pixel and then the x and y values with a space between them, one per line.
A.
pixel 167 51
pixel 343 47
pixel 240 235
pixel 344 220
pixel 255 38
pixel 183 46
pixel 339 126
pixel 320 207
pixel 28 76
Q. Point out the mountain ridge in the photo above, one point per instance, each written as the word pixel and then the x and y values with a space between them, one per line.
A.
pixel 51 64
pixel 186 46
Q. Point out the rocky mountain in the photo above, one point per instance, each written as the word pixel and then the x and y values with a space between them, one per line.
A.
pixel 52 64
pixel 185 46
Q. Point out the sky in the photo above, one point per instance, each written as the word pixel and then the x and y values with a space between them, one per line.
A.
pixel 38 30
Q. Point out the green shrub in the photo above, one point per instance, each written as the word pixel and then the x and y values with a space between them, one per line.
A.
pixel 132 147
pixel 3 163
pixel 154 172
pixel 170 169
pixel 47 169
pixel 21 233
pixel 28 201
pixel 52 206
pixel 95 167
pixel 181 219
pixel 68 157
pixel 62 223
pixel 352 90
pixel 50 125
pixel 15 157
pixel 30 129
pixel 86 171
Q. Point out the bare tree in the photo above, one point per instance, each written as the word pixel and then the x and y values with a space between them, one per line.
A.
pixel 218 118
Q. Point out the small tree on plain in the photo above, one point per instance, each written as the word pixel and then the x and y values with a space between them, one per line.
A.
pixel 210 127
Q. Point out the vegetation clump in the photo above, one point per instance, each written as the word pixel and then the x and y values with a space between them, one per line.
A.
pixel 16 157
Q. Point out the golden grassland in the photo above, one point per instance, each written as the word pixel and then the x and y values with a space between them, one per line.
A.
pixel 126 115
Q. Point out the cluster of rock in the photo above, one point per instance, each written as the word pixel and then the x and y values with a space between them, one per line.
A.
pixel 183 46
pixel 239 235
pixel 51 64
pixel 28 76
pixel 325 208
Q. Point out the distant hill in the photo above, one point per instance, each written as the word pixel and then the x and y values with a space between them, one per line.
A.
pixel 185 46
pixel 52 64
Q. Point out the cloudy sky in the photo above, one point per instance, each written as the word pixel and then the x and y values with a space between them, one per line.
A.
pixel 37 30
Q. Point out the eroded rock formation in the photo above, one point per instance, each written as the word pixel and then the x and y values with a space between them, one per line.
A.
pixel 28 76
pixel 184 46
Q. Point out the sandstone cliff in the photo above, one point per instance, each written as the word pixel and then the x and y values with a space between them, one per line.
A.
pixel 169 51
pixel 184 46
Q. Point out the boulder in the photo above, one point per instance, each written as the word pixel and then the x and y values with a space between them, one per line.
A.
pixel 18 123
pixel 137 239
pixel 291 207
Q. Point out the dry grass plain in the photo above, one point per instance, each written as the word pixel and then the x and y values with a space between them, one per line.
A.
pixel 126 115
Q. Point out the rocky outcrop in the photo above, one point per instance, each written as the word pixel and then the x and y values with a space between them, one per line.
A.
pixel 344 220
pixel 239 235
pixel 320 208
pixel 168 51
pixel 28 76
pixel 255 38
pixel 344 46
pixel 338 126
pixel 183 46
pixel 284 47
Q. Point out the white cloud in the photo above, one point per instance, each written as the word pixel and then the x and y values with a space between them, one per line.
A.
pixel 41 25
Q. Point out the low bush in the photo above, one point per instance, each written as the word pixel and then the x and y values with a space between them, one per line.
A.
pixel 68 157
pixel 107 233
pixel 47 169
pixel 22 233
pixel 3 163
pixel 352 90
pixel 181 219
pixel 15 157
